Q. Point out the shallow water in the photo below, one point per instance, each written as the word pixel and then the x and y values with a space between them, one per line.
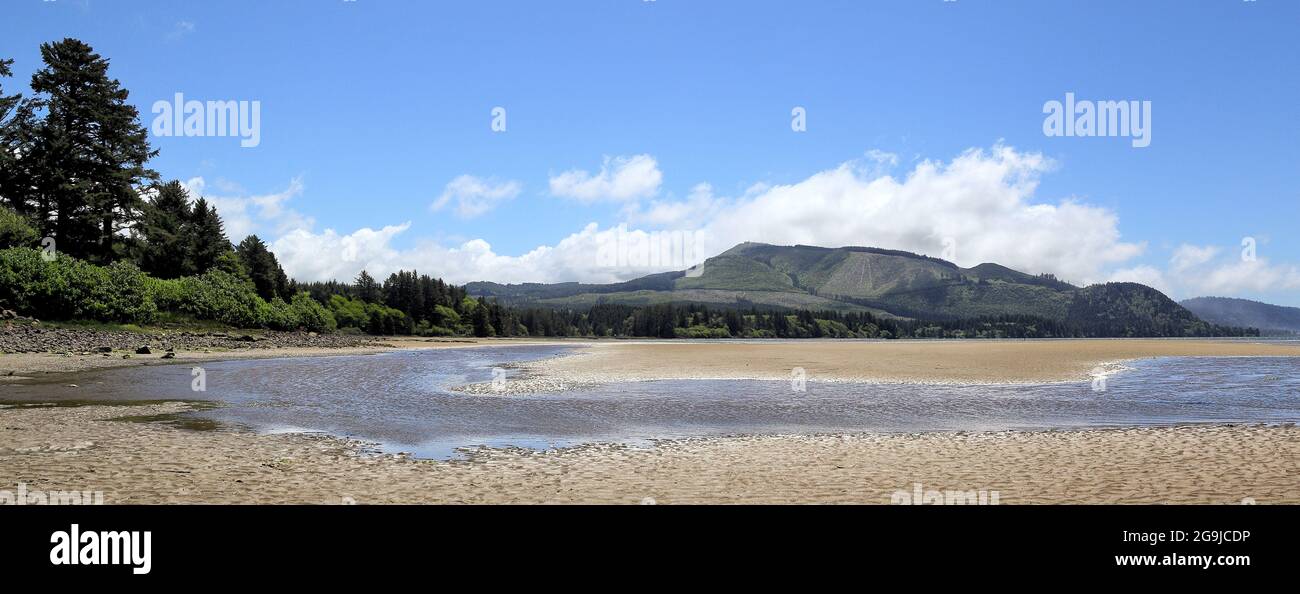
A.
pixel 405 401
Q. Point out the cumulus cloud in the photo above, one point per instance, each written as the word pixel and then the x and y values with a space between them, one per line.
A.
pixel 981 203
pixel 1150 276
pixel 329 255
pixel 475 196
pixel 265 214
pixel 699 207
pixel 620 179
pixel 1211 270
pixel 1197 270
pixel 1257 276
pixel 1188 256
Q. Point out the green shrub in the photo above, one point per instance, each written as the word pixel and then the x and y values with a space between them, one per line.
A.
pixel 214 295
pixel 64 288
pixel 349 313
pixel 15 230
pixel 445 316
pixel 386 320
pixel 310 315
pixel 699 331
pixel 277 315
pixel 120 294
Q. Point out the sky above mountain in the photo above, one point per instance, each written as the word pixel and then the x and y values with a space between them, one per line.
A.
pixel 522 141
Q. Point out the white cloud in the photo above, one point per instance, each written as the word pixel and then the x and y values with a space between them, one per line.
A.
pixel 1238 277
pixel 699 207
pixel 311 256
pixel 1210 270
pixel 620 179
pixel 180 29
pixel 264 214
pixel 883 158
pixel 1188 256
pixel 1148 275
pixel 321 256
pixel 982 200
pixel 475 196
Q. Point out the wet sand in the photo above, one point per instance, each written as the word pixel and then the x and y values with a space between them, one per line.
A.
pixel 80 448
pixel 903 361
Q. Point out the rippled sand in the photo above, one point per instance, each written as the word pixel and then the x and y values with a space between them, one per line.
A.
pixel 79 448
pixel 950 361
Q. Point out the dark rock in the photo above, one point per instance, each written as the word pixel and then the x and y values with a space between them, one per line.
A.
pixel 144 350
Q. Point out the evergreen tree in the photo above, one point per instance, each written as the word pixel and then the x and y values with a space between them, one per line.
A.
pixel 17 125
pixel 207 238
pixel 165 227
pixel 268 277
pixel 89 152
pixel 482 323
pixel 367 289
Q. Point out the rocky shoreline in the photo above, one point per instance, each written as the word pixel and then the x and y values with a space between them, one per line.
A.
pixel 33 337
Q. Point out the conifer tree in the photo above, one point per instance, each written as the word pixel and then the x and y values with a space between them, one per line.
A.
pixel 89 153
pixel 165 227
pixel 207 238
pixel 263 269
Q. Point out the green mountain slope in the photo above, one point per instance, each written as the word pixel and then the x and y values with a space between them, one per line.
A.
pixel 884 282
pixel 1270 319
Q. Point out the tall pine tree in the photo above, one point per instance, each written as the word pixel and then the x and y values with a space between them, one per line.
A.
pixel 207 238
pixel 89 154
pixel 367 289
pixel 165 228
pixel 17 125
pixel 264 270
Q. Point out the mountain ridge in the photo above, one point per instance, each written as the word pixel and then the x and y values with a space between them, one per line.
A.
pixel 883 282
pixel 1268 318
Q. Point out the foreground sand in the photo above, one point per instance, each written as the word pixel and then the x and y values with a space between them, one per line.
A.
pixel 933 361
pixel 80 448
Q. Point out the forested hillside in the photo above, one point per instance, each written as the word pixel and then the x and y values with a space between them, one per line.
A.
pixel 1270 319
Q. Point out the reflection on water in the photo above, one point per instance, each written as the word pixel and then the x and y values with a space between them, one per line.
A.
pixel 403 400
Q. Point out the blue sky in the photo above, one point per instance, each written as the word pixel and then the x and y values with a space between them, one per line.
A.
pixel 370 109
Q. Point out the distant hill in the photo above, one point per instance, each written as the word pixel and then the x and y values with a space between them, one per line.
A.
pixel 1270 319
pixel 887 283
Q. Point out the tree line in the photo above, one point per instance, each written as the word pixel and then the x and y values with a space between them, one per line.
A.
pixel 689 320
pixel 119 244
